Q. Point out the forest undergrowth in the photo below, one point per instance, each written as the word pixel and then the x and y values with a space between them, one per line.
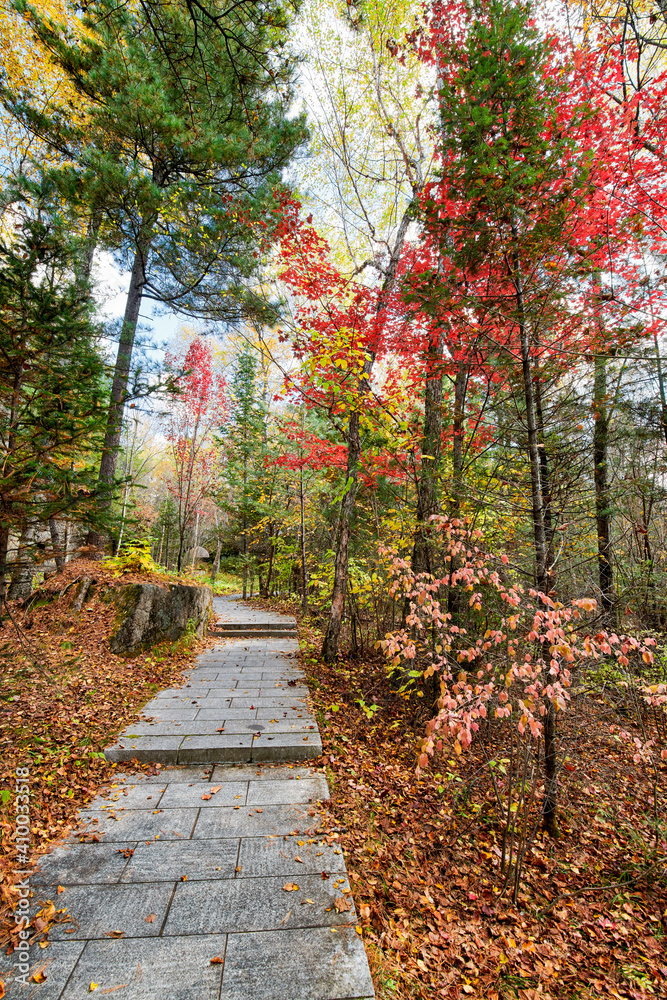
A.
pixel 424 853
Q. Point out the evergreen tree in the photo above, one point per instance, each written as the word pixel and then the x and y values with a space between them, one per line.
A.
pixel 245 453
pixel 185 134
pixel 48 433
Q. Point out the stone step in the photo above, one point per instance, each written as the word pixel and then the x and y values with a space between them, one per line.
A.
pixel 222 748
pixel 253 632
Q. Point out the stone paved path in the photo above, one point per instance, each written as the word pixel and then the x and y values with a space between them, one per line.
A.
pixel 245 701
pixel 201 862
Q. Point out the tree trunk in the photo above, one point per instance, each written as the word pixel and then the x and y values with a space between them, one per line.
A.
pixel 549 806
pixel 332 635
pixel 458 438
pixel 602 498
pixel 56 545
pixel 545 484
pixel 428 500
pixel 540 541
pixel 119 388
pixel 661 385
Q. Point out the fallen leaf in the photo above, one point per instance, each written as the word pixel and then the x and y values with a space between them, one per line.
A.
pixel 290 887
pixel 325 875
pixel 151 918
pixel 93 987
pixel 38 977
pixel 184 878
pixel 300 860
pixel 216 789
pixel 342 905
pixel 217 960
pixel 114 934
pixel 2 989
pixel 206 797
pixel 61 888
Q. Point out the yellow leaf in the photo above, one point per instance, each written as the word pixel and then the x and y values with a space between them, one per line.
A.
pixel 93 987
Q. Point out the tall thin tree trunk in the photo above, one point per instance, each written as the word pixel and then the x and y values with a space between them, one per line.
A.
pixel 304 565
pixel 334 625
pixel 661 384
pixel 458 438
pixel 539 534
pixel 332 635
pixel 56 545
pixel 602 497
pixel 428 500
pixel 121 377
pixel 545 484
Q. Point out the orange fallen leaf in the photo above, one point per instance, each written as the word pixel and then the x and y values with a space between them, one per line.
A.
pixel 206 797
pixel 151 918
pixel 342 905
pixel 217 960
pixel 290 887
pixel 300 860
pixel 38 977
pixel 216 789
pixel 61 888
pixel 2 989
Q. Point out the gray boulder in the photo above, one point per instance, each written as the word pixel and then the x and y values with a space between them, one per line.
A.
pixel 149 614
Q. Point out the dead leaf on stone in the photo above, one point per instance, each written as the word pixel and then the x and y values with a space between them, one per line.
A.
pixel 2 989
pixel 206 797
pixel 127 852
pixel 114 934
pixel 38 976
pixel 300 860
pixel 342 905
pixel 290 887
pixel 217 960
pixel 216 789
pixel 151 918
pixel 325 875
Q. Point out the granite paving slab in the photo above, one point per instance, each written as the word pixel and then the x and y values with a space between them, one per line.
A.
pixel 232 905
pixel 56 963
pixel 209 858
pixel 312 964
pixel 260 856
pixel 171 860
pixel 149 969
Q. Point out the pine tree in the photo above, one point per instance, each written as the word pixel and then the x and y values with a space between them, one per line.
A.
pixel 48 433
pixel 245 450
pixel 185 134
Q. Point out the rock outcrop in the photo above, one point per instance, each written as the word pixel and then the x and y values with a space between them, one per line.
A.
pixel 149 614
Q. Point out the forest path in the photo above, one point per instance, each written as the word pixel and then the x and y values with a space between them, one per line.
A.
pixel 206 882
pixel 245 701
